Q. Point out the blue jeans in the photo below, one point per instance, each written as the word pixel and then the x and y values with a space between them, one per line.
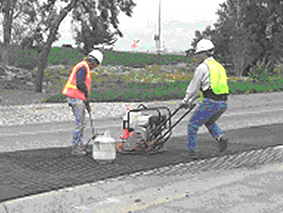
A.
pixel 207 113
pixel 78 109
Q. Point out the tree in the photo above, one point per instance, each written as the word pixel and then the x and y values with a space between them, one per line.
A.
pixel 14 12
pixel 92 29
pixel 273 33
pixel 197 38
pixel 51 20
pixel 229 29
pixel 7 8
pixel 36 23
pixel 200 35
pixel 248 32
pixel 52 12
pixel 25 29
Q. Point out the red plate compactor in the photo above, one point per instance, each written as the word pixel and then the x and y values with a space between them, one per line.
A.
pixel 147 129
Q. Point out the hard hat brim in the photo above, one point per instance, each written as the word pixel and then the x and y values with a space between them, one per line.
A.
pixel 201 51
pixel 97 55
pixel 94 59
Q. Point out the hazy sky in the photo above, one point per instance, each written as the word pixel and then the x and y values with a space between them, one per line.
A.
pixel 179 20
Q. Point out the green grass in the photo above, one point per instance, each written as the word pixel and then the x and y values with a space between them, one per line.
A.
pixel 129 88
pixel 67 56
pixel 130 92
pixel 139 92
pixel 158 83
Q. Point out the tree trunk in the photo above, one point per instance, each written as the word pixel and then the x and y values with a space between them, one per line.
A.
pixel 7 28
pixel 7 22
pixel 42 58
pixel 41 63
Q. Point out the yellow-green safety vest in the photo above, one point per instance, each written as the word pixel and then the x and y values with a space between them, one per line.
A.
pixel 218 78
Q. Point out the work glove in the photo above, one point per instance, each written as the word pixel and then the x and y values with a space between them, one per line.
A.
pixel 88 108
pixel 185 105
pixel 86 95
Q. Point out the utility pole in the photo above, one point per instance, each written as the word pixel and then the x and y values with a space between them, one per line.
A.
pixel 157 37
pixel 159 28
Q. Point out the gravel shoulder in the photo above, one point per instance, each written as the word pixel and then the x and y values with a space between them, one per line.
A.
pixel 35 112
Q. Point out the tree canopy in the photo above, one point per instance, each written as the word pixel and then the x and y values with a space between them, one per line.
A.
pixel 247 32
pixel 96 22
pixel 36 22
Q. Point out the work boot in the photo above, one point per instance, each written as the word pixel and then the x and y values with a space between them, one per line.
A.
pixel 222 143
pixel 162 149
pixel 87 148
pixel 192 154
pixel 78 151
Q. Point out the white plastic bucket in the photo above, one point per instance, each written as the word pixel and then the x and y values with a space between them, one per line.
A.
pixel 104 150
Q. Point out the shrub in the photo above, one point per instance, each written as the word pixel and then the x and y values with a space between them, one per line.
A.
pixel 25 59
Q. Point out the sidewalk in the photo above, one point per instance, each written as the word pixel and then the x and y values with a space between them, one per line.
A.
pixel 240 190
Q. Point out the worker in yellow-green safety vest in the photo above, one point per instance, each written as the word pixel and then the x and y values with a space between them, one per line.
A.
pixel 210 80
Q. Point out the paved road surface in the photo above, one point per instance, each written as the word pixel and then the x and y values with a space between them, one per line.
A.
pixel 58 134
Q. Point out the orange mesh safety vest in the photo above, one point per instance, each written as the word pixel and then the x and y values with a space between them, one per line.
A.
pixel 71 89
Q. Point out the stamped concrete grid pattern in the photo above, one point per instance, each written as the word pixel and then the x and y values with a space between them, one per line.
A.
pixel 35 171
pixel 106 194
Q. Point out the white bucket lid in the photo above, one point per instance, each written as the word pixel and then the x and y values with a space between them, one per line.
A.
pixel 104 139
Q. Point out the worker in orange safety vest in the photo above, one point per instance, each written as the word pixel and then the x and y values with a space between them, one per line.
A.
pixel 77 90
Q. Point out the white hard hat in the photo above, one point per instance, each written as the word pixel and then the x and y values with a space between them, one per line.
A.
pixel 97 55
pixel 204 45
